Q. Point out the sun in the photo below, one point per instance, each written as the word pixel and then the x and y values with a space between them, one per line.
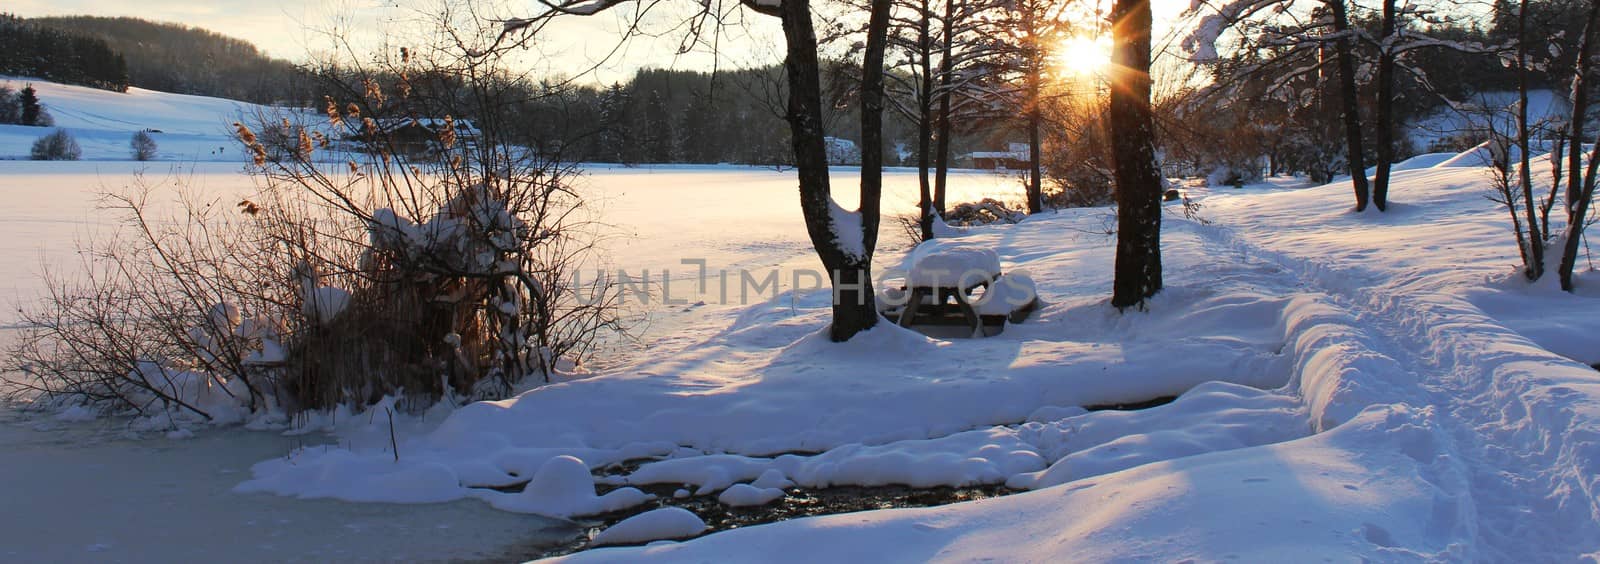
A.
pixel 1083 56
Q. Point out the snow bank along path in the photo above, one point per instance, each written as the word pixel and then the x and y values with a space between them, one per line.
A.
pixel 1406 422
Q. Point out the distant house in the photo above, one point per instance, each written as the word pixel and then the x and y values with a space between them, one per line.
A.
pixel 1015 158
pixel 420 135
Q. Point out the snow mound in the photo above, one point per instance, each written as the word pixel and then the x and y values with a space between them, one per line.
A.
pixel 746 495
pixel 984 456
pixel 1477 156
pixel 1011 291
pixel 1213 417
pixel 1380 488
pixel 1425 160
pixel 563 487
pixel 344 475
pixel 655 524
pixel 772 478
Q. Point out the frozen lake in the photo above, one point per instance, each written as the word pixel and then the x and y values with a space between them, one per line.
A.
pixel 94 491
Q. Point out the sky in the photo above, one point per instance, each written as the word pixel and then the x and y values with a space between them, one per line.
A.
pixel 295 30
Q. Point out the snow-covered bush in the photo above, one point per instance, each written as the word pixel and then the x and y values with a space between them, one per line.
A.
pixel 56 146
pixel 446 273
pixel 983 212
pixel 142 146
pixel 966 214
pixel 1235 175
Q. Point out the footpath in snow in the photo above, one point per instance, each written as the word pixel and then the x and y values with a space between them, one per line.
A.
pixel 1351 386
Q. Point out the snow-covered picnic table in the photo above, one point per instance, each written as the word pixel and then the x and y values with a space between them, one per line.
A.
pixel 950 271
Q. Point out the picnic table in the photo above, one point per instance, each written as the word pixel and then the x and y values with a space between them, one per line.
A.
pixel 941 282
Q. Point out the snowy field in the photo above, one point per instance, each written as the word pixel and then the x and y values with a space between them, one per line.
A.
pixel 186 128
pixel 1351 387
pixel 161 491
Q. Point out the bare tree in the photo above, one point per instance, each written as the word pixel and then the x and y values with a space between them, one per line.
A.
pixel 843 240
pixel 1535 243
pixel 1031 28
pixel 142 146
pixel 1580 188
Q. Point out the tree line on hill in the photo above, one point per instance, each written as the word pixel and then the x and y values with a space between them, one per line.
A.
pixel 28 48
pixel 681 116
pixel 190 60
pixel 115 53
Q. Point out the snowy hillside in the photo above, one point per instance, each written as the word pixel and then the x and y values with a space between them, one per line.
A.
pixel 1497 109
pixel 1351 387
pixel 191 128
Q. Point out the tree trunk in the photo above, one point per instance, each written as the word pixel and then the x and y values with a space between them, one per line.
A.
pixel 1132 132
pixel 872 125
pixel 1035 54
pixel 1036 194
pixel 925 122
pixel 1574 239
pixel 1385 117
pixel 1350 110
pixel 854 307
pixel 941 174
pixel 1580 190
pixel 1580 109
pixel 1535 266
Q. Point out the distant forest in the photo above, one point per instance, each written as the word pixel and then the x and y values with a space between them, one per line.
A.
pixel 28 48
pixel 680 116
pixel 173 58
pixel 659 116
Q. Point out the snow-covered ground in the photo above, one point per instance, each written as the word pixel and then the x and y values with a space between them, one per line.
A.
pixel 1378 387
pixel 188 128
pixel 1355 386
pixel 655 218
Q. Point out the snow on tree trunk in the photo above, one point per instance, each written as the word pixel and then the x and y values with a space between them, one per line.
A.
pixel 1580 108
pixel 849 269
pixel 1138 182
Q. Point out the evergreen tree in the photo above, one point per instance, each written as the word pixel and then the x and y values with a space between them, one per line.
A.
pixel 10 108
pixel 696 132
pixel 616 131
pixel 30 106
pixel 29 49
pixel 658 130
